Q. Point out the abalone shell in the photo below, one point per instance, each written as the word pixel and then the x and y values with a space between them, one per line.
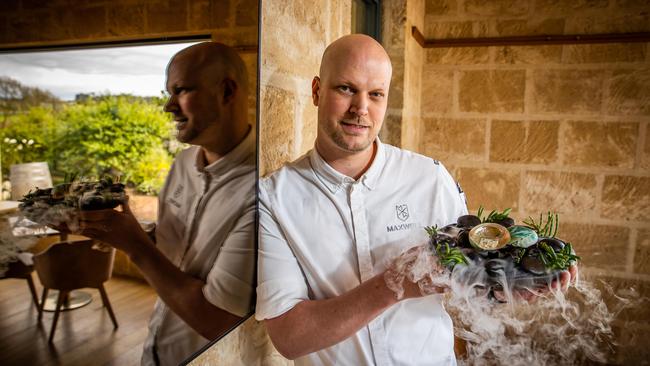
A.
pixel 489 236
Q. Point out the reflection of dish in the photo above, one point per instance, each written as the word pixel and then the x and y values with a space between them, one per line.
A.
pixel 21 226
pixel 8 206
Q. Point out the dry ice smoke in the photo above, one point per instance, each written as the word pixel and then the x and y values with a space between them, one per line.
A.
pixel 556 328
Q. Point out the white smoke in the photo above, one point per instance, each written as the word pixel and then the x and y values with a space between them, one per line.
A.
pixel 554 328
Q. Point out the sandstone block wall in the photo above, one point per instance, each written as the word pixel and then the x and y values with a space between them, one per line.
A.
pixel 561 128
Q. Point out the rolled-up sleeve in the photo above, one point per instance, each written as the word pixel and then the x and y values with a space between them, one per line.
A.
pixel 281 283
pixel 230 282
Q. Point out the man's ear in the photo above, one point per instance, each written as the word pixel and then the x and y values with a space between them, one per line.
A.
pixel 315 90
pixel 229 90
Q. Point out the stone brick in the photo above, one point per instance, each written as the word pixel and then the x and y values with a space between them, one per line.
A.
pixel 394 19
pixel 642 252
pixel 246 13
pixel 309 127
pixel 280 52
pixel 571 193
pixel 492 91
pixel 629 92
pixel 458 55
pixel 277 131
pixel 567 91
pixel 87 22
pixel 490 188
pixel 500 8
pixel 599 246
pixel 645 154
pixel 27 27
pixel 528 54
pixel 441 7
pixel 450 29
pixel 632 4
pixel 4 33
pixel 125 20
pixel 220 13
pixel 562 7
pixel 531 26
pixel 437 89
pixel 534 142
pixel 167 16
pixel 455 55
pixel 599 53
pixel 391 130
pixel 454 139
pixel 396 91
pixel 200 14
pixel 609 23
pixel 599 144
pixel 626 198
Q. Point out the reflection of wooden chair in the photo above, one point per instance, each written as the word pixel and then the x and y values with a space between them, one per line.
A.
pixel 68 266
pixel 19 269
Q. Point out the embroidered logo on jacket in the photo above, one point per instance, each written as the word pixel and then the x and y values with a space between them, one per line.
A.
pixel 175 195
pixel 402 212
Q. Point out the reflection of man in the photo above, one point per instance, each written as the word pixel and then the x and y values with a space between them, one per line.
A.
pixel 202 263
pixel 331 221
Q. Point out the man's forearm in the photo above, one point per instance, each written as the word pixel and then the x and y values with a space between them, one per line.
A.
pixel 316 324
pixel 181 292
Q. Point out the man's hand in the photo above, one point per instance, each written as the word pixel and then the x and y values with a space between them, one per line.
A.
pixel 415 273
pixel 566 278
pixel 120 229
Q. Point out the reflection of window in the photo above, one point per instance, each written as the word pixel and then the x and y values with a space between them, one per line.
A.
pixel 366 18
pixel 87 113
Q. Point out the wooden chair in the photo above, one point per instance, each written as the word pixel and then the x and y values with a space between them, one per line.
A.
pixel 19 269
pixel 68 266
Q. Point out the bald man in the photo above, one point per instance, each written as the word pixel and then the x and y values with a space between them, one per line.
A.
pixel 202 262
pixel 332 221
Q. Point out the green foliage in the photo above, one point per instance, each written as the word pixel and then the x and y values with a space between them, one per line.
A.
pixel 27 137
pixel 114 135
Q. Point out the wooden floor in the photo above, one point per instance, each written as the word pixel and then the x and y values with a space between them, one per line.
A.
pixel 84 336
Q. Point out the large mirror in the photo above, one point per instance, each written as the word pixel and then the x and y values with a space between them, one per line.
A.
pixel 122 105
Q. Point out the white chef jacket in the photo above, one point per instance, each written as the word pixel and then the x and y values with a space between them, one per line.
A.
pixel 206 226
pixel 323 234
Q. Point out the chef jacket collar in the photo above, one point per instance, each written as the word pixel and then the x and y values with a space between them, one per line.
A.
pixel 235 157
pixel 334 180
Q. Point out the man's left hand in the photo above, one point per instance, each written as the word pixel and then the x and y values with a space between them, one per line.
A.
pixel 120 229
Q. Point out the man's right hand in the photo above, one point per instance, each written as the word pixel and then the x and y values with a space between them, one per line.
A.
pixel 415 273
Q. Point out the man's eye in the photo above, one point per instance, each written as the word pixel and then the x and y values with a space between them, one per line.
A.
pixel 346 89
pixel 377 94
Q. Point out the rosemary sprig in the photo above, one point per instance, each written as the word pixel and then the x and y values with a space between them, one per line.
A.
pixel 431 230
pixel 493 216
pixel 548 227
pixel 557 260
pixel 449 256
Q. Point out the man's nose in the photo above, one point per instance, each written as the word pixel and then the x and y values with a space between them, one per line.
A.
pixel 359 105
pixel 171 105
